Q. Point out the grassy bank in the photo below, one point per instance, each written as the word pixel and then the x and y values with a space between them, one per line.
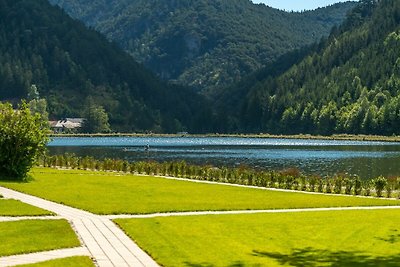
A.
pixel 11 207
pixel 339 238
pixel 35 235
pixel 117 193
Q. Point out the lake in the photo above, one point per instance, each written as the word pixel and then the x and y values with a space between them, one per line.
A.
pixel 322 157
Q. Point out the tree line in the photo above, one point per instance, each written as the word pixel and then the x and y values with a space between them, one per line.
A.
pixel 348 83
pixel 73 66
pixel 205 44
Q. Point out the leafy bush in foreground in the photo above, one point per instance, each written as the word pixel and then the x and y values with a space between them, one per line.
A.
pixel 23 137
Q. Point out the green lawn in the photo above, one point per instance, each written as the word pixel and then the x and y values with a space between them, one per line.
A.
pixel 111 193
pixel 66 262
pixel 337 238
pixel 35 235
pixel 10 207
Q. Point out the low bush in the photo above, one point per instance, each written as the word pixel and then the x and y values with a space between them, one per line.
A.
pixel 380 183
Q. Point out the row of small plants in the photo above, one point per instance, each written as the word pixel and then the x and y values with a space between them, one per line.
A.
pixel 291 179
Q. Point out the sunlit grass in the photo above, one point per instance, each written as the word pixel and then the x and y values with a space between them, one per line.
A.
pixel 112 193
pixel 35 235
pixel 334 238
pixel 65 262
pixel 10 207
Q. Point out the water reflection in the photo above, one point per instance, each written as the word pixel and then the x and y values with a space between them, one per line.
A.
pixel 367 159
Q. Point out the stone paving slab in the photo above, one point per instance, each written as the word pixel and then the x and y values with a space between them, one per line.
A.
pixel 108 245
pixel 43 256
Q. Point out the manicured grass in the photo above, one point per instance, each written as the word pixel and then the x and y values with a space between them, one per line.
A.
pixel 35 235
pixel 111 193
pixel 11 207
pixel 66 262
pixel 334 238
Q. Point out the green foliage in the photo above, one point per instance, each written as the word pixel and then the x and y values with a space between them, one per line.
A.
pixel 349 83
pixel 45 52
pixel 380 184
pixel 96 119
pixel 204 43
pixel 357 186
pixel 37 104
pixel 23 137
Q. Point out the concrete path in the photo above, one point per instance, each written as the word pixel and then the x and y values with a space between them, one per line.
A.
pixel 43 256
pixel 199 213
pixel 107 243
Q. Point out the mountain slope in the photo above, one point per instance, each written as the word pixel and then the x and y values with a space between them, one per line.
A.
pixel 349 83
pixel 204 43
pixel 71 65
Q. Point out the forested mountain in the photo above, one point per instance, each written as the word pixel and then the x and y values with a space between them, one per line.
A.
pixel 71 66
pixel 349 83
pixel 204 43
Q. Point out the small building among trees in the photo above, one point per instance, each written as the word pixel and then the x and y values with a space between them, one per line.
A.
pixel 67 125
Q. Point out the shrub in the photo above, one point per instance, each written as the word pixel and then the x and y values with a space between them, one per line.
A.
pixel 313 183
pixel 23 138
pixel 380 184
pixel 338 185
pixel 357 185
pixel 367 188
pixel 320 185
pixel 348 186
pixel 328 189
pixel 389 190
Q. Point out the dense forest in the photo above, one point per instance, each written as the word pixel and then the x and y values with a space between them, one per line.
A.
pixel 73 67
pixel 349 83
pixel 205 44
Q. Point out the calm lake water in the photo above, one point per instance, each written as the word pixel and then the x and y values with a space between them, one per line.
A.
pixel 322 157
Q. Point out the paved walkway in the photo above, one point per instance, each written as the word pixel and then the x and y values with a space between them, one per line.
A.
pixel 107 243
pixel 199 213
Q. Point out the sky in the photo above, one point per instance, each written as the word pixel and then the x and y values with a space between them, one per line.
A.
pixel 297 5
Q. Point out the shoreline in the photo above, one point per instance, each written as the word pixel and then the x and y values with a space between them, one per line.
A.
pixel 339 137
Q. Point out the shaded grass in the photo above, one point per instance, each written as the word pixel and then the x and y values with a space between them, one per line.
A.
pixel 65 262
pixel 329 238
pixel 11 207
pixel 35 235
pixel 112 193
